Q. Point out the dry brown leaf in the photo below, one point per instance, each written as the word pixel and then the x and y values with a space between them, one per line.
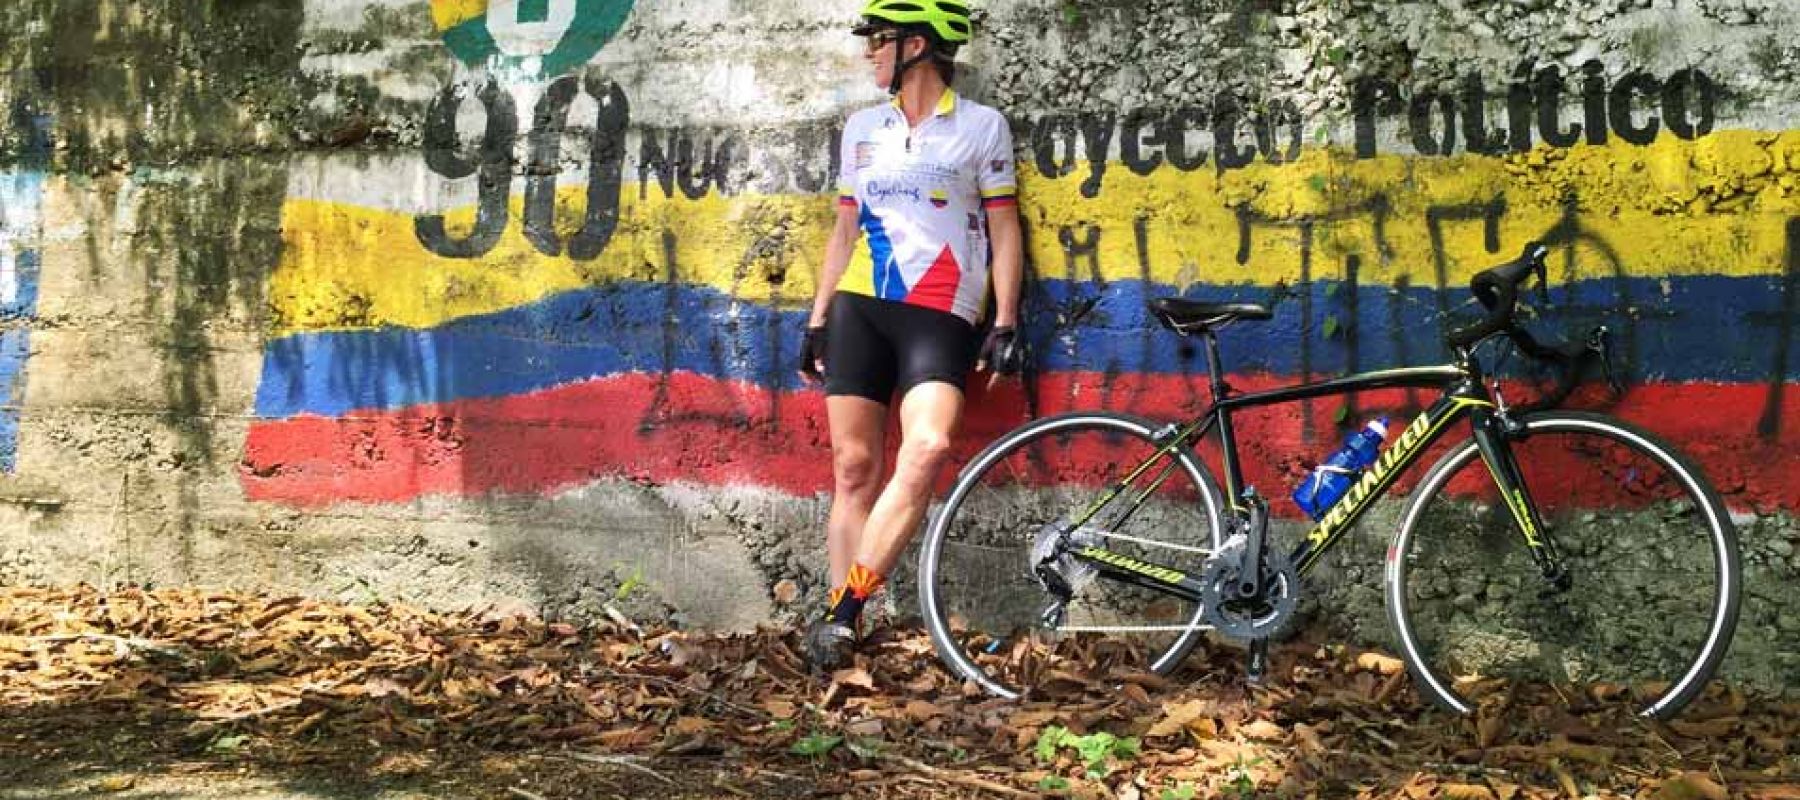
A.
pixel 1263 730
pixel 870 727
pixel 1774 791
pixel 1709 729
pixel 1308 738
pixel 1690 786
pixel 116 783
pixel 920 710
pixel 786 591
pixel 1488 729
pixel 853 676
pixel 1177 716
pixel 1376 662
pixel 1466 791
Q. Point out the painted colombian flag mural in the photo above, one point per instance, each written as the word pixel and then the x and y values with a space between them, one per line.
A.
pixel 456 323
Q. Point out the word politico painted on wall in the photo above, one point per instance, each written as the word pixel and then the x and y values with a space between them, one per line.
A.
pixel 531 39
pixel 1537 106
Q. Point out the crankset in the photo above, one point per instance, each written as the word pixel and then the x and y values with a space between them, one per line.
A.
pixel 1260 614
pixel 1250 590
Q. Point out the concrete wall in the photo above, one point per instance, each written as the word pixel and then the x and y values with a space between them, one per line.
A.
pixel 463 302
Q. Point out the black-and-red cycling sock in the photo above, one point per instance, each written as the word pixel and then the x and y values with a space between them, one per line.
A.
pixel 847 600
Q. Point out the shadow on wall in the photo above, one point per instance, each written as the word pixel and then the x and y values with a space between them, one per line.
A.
pixel 188 104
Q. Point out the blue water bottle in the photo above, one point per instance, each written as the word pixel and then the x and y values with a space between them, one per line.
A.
pixel 1334 476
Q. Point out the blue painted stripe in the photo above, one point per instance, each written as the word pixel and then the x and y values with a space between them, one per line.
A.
pixel 1684 329
pixel 21 201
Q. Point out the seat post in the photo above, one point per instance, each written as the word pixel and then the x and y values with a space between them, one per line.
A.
pixel 1215 368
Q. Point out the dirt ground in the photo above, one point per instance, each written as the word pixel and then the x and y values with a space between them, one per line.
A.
pixel 189 693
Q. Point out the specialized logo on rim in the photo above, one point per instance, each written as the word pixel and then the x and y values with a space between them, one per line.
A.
pixel 533 39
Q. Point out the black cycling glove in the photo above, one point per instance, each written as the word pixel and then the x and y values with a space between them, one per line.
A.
pixel 1002 352
pixel 812 353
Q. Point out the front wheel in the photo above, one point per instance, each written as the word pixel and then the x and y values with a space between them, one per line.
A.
pixel 978 594
pixel 1651 556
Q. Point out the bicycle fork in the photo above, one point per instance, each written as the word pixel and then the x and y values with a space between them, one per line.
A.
pixel 1493 434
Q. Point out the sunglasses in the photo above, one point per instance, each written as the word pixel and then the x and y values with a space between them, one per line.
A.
pixel 874 42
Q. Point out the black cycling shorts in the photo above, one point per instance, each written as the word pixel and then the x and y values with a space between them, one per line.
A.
pixel 876 347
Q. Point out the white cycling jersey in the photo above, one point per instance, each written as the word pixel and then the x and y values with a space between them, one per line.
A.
pixel 923 195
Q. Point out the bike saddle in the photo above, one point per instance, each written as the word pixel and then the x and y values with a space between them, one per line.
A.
pixel 1185 316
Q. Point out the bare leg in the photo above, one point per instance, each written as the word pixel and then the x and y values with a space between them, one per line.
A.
pixel 929 415
pixel 858 426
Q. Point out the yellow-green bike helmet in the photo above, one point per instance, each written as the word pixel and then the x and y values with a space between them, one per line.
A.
pixel 948 20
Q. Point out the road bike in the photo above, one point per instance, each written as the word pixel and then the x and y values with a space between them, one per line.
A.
pixel 1561 544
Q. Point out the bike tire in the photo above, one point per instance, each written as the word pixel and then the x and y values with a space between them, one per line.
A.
pixel 1651 549
pixel 976 594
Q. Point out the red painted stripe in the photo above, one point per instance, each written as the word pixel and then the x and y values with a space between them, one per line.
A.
pixel 718 432
pixel 998 202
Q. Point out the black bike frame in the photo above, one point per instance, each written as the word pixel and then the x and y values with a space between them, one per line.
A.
pixel 1464 394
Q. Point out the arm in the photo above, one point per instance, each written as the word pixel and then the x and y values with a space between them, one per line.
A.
pixel 1008 267
pixel 837 258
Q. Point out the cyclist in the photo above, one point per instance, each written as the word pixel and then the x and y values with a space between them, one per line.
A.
pixel 928 187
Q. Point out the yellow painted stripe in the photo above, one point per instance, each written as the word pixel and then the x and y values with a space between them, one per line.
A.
pixel 1714 207
pixel 347 267
pixel 451 13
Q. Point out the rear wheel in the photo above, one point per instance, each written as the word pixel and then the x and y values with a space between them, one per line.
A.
pixel 1650 550
pixel 981 602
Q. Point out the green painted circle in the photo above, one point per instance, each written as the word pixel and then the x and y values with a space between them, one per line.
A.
pixel 595 23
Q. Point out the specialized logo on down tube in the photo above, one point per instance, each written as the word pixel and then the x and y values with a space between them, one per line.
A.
pixel 531 39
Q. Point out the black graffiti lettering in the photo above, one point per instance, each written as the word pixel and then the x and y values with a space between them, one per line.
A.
pixel 1373 98
pixel 1172 136
pixel 1055 135
pixel 1088 247
pixel 1475 119
pixel 606 166
pixel 1619 105
pixel 808 141
pixel 1535 110
pixel 1132 141
pixel 492 166
pixel 678 161
pixel 1281 114
pixel 1096 133
pixel 1593 101
pixel 1675 94
pixel 1519 108
pixel 697 175
pixel 1784 319
pixel 1226 116
pixel 1418 118
pixel 544 162
pixel 653 159
pixel 1549 98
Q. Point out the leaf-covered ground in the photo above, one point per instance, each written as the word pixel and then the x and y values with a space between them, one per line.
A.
pixel 179 692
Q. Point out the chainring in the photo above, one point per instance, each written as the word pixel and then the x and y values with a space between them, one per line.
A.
pixel 1241 618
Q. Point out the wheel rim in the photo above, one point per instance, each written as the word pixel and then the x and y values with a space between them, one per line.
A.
pixel 1651 555
pixel 980 605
